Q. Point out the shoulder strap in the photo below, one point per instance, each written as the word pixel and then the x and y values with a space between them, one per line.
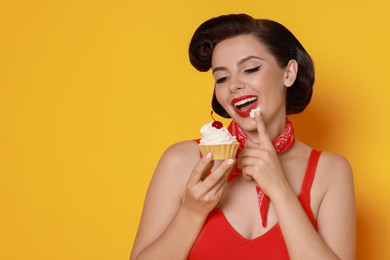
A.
pixel 311 170
pixel 198 141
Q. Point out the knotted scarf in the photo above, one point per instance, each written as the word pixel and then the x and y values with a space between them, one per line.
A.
pixel 280 143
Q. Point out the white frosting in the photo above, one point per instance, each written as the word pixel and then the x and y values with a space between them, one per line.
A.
pixel 212 135
pixel 253 112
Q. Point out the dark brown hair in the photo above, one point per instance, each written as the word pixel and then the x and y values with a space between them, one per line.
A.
pixel 280 42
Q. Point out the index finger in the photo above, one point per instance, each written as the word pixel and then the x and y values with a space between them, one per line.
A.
pixel 201 168
pixel 264 138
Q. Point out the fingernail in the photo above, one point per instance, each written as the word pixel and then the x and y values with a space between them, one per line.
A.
pixel 230 162
pixel 208 155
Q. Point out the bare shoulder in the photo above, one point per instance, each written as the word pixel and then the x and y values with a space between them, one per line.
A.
pixel 176 163
pixel 333 171
pixel 172 172
pixel 182 150
pixel 331 166
pixel 183 155
pixel 335 166
pixel 333 177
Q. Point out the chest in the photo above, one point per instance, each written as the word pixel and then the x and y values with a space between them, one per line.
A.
pixel 239 205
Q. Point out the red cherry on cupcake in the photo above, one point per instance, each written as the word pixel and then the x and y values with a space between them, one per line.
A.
pixel 216 123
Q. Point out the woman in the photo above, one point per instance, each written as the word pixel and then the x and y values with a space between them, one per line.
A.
pixel 305 198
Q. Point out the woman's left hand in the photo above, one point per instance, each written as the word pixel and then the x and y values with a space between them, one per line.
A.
pixel 259 161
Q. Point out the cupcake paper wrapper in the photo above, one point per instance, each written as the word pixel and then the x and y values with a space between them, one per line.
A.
pixel 220 151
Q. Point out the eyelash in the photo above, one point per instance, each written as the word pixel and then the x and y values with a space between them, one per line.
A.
pixel 248 71
pixel 252 70
pixel 221 80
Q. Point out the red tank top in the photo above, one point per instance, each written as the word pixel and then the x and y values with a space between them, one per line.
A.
pixel 219 240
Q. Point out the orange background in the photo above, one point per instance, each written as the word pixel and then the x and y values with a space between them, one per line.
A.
pixel 92 92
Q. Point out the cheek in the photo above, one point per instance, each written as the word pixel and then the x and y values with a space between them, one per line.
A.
pixel 222 97
pixel 220 94
pixel 267 84
pixel 257 84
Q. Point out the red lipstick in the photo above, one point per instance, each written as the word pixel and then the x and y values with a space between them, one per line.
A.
pixel 244 104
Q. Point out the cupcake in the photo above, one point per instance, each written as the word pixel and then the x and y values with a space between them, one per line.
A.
pixel 217 140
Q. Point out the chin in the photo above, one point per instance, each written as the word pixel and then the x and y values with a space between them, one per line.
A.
pixel 248 124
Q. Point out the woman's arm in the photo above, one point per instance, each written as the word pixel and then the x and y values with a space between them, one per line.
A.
pixel 335 237
pixel 178 201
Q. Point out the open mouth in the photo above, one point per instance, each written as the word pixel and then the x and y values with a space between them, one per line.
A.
pixel 243 105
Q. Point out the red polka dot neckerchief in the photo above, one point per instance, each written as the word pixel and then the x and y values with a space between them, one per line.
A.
pixel 281 143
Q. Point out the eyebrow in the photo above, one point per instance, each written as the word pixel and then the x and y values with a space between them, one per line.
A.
pixel 238 63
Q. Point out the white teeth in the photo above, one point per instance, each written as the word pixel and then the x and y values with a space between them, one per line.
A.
pixel 242 102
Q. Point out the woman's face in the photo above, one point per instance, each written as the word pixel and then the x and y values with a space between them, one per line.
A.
pixel 247 76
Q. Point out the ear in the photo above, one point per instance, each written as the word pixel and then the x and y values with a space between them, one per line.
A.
pixel 290 73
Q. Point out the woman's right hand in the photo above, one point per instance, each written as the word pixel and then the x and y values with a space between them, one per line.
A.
pixel 204 192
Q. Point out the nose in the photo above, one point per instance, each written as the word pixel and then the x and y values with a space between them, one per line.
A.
pixel 236 84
